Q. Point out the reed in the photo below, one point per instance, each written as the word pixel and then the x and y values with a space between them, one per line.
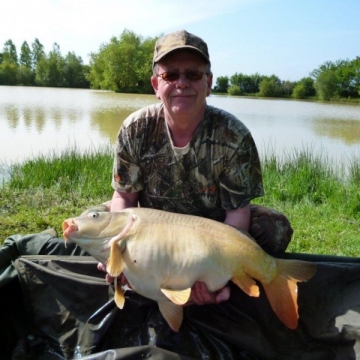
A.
pixel 321 199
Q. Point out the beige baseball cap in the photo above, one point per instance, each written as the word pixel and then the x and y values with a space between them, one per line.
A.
pixel 180 40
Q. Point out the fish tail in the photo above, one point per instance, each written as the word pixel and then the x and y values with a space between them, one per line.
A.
pixel 282 291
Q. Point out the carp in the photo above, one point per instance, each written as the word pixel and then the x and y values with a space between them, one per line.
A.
pixel 162 254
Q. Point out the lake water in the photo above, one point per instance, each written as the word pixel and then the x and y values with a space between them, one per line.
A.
pixel 39 120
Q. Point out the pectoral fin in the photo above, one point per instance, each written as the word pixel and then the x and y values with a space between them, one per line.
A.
pixel 119 295
pixel 172 313
pixel 178 297
pixel 115 264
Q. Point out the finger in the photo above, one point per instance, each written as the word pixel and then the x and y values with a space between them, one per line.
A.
pixel 201 294
pixel 123 280
pixel 204 294
pixel 223 294
pixel 109 278
pixel 196 293
pixel 101 267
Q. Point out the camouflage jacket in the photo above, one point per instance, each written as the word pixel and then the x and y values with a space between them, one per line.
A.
pixel 218 170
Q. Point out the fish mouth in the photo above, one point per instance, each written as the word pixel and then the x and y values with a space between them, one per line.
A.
pixel 68 226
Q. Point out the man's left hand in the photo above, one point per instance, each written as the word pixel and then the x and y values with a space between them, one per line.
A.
pixel 200 295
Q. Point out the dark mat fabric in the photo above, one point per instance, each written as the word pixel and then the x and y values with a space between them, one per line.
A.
pixel 60 307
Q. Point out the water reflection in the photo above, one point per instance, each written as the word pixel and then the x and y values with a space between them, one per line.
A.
pixel 12 115
pixel 109 121
pixel 38 120
pixel 346 130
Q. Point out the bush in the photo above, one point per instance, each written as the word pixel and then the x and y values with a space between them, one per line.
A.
pixel 299 91
pixel 234 90
pixel 269 87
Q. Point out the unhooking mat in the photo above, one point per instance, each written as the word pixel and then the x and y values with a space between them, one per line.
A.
pixel 60 307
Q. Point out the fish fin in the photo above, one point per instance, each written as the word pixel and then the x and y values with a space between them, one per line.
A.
pixel 115 264
pixel 178 297
pixel 246 284
pixel 172 313
pixel 282 292
pixel 119 296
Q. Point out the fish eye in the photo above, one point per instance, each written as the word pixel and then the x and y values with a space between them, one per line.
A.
pixel 94 215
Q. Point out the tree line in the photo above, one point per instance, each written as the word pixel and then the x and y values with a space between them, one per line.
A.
pixel 33 67
pixel 124 65
pixel 331 81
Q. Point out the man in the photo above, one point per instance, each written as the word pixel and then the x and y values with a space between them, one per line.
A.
pixel 180 155
pixel 184 156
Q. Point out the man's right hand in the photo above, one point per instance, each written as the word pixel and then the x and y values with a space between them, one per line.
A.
pixel 110 279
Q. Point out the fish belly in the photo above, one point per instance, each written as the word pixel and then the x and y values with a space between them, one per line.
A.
pixel 153 265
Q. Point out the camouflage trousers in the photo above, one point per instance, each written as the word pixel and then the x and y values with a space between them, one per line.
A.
pixel 270 228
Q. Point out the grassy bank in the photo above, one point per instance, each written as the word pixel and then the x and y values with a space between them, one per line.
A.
pixel 322 203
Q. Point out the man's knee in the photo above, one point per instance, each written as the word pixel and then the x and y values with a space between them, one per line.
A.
pixel 270 228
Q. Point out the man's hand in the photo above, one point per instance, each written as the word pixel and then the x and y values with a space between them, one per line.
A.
pixel 121 278
pixel 200 295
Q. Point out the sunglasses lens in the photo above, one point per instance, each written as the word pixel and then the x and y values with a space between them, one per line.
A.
pixel 193 75
pixel 170 75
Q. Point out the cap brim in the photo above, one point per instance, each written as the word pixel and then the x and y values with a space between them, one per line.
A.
pixel 165 53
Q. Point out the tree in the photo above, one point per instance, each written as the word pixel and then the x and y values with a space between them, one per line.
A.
pixel 55 67
pixel 9 64
pixel 24 75
pixel 50 69
pixel 124 64
pixel 95 76
pixel 8 73
pixel 41 72
pixel 304 88
pixel 337 79
pixel 348 74
pixel 326 85
pixel 73 72
pixel 270 86
pixel 144 65
pixel 234 90
pixel 37 53
pixel 299 91
pixel 248 84
pixel 356 69
pixel 308 83
pixel 222 84
pixel 287 87
pixel 9 52
pixel 25 55
pixel 355 82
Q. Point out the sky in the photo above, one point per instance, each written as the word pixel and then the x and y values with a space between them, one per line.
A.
pixel 288 38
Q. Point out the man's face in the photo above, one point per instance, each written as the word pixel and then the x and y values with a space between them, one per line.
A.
pixel 182 96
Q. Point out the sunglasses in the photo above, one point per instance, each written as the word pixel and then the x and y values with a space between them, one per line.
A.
pixel 191 75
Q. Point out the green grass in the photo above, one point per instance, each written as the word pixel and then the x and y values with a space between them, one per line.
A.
pixel 321 200
pixel 42 192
